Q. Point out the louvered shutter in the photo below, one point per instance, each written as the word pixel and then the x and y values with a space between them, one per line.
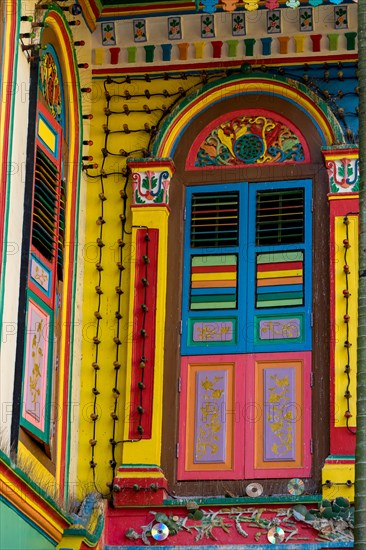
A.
pixel 45 274
pixel 279 306
pixel 215 229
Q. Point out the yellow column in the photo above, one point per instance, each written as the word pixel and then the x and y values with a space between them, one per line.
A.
pixel 150 211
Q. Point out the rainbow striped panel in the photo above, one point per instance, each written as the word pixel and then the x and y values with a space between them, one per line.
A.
pixel 280 279
pixel 214 282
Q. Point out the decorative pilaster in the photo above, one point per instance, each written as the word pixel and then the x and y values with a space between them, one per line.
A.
pixel 342 168
pixel 145 351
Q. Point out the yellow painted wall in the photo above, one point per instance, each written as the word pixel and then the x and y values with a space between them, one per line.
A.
pixel 340 325
pixel 338 475
pixel 146 451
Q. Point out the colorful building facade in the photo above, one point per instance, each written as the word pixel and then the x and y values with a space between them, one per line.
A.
pixel 179 259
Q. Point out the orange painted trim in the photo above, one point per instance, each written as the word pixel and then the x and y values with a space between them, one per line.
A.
pixel 259 429
pixel 274 282
pixel 214 284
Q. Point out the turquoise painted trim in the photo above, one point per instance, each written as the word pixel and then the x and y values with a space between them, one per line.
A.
pixel 338 134
pixel 351 458
pixel 10 154
pixel 221 501
pixel 27 520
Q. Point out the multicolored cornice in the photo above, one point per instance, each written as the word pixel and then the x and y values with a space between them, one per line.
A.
pixel 95 10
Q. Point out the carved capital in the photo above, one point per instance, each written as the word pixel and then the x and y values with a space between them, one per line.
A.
pixel 150 181
pixel 342 168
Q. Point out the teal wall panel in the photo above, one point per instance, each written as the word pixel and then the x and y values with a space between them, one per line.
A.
pixel 17 534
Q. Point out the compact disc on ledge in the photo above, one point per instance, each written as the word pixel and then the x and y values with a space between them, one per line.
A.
pixel 160 531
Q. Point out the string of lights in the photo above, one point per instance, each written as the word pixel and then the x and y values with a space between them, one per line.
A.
pixel 346 318
pixel 143 359
pixel 331 99
pixel 328 483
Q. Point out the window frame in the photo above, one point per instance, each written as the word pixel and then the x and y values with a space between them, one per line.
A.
pixel 245 316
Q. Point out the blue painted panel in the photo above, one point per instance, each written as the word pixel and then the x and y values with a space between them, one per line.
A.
pixel 246 313
pixel 305 341
pixel 237 344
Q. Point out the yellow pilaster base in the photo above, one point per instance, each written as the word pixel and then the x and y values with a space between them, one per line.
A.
pixel 338 481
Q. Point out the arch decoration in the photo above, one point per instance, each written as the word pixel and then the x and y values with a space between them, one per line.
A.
pixel 289 90
pixel 248 137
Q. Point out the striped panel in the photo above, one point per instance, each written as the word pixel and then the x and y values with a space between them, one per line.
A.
pixel 213 282
pixel 280 217
pixel 45 202
pixel 61 231
pixel 215 219
pixel 280 279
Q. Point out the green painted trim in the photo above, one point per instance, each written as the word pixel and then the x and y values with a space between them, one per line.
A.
pixel 279 303
pixel 27 520
pixel 277 296
pixel 280 499
pixel 341 457
pixel 10 154
pixel 213 305
pixel 278 257
pixel 214 260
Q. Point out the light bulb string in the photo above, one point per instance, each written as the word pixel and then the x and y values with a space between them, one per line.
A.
pixel 347 343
